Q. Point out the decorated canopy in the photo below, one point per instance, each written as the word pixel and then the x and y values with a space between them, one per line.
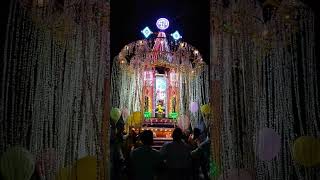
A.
pixel 160 76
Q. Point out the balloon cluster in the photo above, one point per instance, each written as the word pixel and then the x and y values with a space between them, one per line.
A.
pixel 306 149
pixel 134 119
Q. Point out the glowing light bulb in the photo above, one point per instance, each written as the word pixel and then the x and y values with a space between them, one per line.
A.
pixel 162 23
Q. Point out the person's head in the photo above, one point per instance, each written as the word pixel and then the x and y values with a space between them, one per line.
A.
pixel 196 133
pixel 177 134
pixel 147 137
pixel 184 136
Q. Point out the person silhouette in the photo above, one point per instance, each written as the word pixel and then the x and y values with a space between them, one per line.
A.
pixel 145 161
pixel 177 156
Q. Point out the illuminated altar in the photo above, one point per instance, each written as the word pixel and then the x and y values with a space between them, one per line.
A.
pixel 159 76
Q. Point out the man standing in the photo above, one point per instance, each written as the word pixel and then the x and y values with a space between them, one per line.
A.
pixel 177 155
pixel 145 161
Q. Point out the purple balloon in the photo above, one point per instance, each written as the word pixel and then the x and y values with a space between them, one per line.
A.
pixel 125 114
pixel 236 174
pixel 183 122
pixel 194 107
pixel 268 145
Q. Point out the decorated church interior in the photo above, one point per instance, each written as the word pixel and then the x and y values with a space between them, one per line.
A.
pixel 160 90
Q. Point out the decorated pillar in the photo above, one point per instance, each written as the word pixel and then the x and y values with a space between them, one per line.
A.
pixel 105 57
pixel 216 87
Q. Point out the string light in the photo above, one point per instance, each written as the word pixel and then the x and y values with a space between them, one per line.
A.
pixel 267 69
pixel 59 79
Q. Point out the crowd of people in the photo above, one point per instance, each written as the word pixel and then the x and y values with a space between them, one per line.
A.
pixel 185 158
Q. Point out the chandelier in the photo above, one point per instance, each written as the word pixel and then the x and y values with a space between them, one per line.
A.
pixel 158 50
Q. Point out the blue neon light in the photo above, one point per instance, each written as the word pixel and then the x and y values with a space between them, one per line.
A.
pixel 176 35
pixel 146 32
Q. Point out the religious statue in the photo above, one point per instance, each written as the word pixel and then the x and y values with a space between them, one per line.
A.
pixel 160 110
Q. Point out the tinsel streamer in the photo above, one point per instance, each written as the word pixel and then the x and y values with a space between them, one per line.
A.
pixel 269 81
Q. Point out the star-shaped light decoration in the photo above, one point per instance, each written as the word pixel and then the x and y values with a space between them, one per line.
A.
pixel 176 35
pixel 146 32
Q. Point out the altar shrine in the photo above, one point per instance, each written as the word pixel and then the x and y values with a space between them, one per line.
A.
pixel 158 77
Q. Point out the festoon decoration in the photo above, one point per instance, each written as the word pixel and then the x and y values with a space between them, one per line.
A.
pixel 263 63
pixel 56 60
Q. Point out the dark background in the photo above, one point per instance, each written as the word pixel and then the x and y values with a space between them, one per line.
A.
pixel 189 17
pixel 129 17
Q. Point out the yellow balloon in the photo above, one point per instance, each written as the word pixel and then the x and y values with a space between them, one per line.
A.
pixel 205 109
pixel 137 117
pixel 306 151
pixel 130 119
pixel 64 174
pixel 86 168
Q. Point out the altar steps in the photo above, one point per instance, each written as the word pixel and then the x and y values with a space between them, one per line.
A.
pixel 158 142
